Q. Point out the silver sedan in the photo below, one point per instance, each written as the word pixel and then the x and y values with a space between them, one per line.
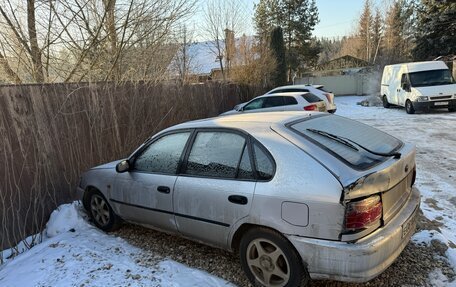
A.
pixel 299 195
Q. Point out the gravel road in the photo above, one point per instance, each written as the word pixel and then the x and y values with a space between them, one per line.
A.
pixel 410 269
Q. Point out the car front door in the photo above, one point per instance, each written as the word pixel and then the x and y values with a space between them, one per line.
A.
pixel 145 193
pixel 215 187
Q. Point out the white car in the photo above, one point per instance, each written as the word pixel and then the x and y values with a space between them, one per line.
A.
pixel 281 102
pixel 317 90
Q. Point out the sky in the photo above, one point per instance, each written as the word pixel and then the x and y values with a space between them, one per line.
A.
pixel 337 17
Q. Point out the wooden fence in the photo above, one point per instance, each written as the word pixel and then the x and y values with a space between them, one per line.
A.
pixel 51 133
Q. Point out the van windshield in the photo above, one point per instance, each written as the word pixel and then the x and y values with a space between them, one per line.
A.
pixel 431 78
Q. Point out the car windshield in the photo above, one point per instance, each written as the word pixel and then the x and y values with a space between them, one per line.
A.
pixel 343 138
pixel 431 78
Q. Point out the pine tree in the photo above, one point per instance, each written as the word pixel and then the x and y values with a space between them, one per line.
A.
pixel 377 31
pixel 365 26
pixel 297 19
pixel 277 46
pixel 436 29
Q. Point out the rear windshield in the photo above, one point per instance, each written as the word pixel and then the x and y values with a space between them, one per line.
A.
pixel 311 98
pixel 356 132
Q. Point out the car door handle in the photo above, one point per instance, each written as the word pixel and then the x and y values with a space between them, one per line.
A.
pixel 163 189
pixel 238 199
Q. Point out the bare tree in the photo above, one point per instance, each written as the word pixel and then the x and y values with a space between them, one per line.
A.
pixel 78 40
pixel 222 19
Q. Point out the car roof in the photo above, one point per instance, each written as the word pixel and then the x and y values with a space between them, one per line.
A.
pixel 247 121
pixel 289 94
pixel 295 87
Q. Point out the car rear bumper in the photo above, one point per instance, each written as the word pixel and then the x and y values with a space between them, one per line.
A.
pixel 441 104
pixel 364 259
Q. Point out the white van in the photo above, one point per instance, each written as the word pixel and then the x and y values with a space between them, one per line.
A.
pixel 419 86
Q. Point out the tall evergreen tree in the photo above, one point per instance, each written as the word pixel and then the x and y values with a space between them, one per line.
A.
pixel 277 46
pixel 365 26
pixel 436 29
pixel 398 38
pixel 298 19
pixel 377 31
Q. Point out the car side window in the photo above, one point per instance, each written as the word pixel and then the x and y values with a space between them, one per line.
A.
pixel 255 104
pixel 215 154
pixel 163 155
pixel 404 79
pixel 288 101
pixel 271 102
pixel 263 163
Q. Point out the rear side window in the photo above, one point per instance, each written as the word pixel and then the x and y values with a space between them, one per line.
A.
pixel 288 101
pixel 216 154
pixel 356 132
pixel 271 102
pixel 311 98
pixel 263 163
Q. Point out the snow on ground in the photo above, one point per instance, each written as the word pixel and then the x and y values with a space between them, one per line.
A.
pixel 434 135
pixel 74 253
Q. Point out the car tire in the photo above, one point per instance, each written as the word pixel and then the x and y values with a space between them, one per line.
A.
pixel 451 110
pixel 385 102
pixel 268 259
pixel 332 111
pixel 101 212
pixel 409 107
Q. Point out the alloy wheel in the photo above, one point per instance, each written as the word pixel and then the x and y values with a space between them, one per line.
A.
pixel 268 263
pixel 99 209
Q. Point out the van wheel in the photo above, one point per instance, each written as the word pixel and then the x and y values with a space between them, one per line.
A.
pixel 268 259
pixel 409 107
pixel 385 102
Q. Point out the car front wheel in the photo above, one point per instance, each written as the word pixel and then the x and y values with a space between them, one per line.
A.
pixel 101 212
pixel 268 259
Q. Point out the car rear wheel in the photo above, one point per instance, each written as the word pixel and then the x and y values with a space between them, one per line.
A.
pixel 409 107
pixel 268 259
pixel 101 212
pixel 385 102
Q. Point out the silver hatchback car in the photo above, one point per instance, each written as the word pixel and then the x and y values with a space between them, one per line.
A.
pixel 298 195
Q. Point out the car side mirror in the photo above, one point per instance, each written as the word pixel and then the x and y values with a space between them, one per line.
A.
pixel 238 108
pixel 123 166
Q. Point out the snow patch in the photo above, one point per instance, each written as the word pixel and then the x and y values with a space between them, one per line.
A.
pixel 65 218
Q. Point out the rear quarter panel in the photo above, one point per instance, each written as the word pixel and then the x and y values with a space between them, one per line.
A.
pixel 302 199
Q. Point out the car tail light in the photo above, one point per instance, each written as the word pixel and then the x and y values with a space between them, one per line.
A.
pixel 328 96
pixel 364 213
pixel 310 108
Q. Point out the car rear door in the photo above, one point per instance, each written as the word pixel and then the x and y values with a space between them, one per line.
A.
pixel 145 193
pixel 215 187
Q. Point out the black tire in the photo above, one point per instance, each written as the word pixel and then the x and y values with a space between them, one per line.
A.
pixel 452 110
pixel 409 107
pixel 385 102
pixel 263 251
pixel 101 212
pixel 332 111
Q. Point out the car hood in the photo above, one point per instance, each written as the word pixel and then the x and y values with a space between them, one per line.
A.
pixel 109 165
pixel 442 90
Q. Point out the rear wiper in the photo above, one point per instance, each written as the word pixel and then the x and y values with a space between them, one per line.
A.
pixel 334 137
pixel 347 142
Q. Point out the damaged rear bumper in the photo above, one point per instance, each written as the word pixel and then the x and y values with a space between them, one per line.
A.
pixel 364 259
